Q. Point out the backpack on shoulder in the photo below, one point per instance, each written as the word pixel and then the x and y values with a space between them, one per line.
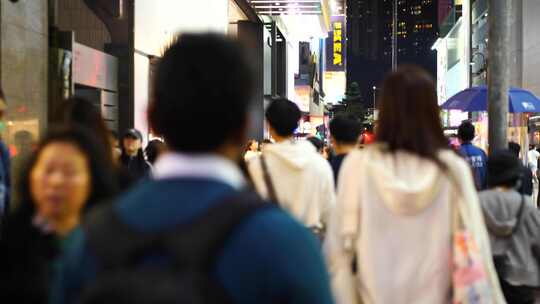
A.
pixel 165 267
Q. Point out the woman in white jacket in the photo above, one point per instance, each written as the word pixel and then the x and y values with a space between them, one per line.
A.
pixel 395 203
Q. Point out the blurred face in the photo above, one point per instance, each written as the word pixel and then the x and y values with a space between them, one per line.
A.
pixel 60 182
pixel 132 145
pixel 254 146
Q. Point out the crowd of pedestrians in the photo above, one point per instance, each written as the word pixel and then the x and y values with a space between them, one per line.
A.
pixel 201 217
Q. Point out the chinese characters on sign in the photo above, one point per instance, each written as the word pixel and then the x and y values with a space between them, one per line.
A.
pixel 338 43
pixel 335 46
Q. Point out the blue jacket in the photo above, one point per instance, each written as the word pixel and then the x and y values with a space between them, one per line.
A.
pixel 270 258
pixel 477 159
pixel 5 180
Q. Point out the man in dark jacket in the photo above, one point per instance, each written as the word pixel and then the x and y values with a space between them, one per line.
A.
pixel 475 156
pixel 526 187
pixel 132 157
pixel 269 257
pixel 513 223
pixel 344 135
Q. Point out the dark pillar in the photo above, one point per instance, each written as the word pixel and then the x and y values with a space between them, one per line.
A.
pixel 498 75
pixel 281 68
pixel 275 52
pixel 251 35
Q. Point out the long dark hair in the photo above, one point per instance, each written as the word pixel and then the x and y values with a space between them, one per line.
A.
pixel 77 111
pixel 409 117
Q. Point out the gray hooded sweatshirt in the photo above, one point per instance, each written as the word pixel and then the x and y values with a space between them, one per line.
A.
pixel 516 239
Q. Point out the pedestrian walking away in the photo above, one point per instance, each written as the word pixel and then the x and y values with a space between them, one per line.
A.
pixel 291 172
pixel 514 226
pixel 344 135
pixel 526 182
pixel 398 210
pixel 475 156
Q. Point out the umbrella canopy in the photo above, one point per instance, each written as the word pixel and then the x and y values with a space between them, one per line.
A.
pixel 474 99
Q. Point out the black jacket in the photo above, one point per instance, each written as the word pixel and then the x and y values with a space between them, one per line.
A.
pixel 26 261
pixel 526 182
pixel 137 166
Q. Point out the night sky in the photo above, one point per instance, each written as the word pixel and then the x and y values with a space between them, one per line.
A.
pixel 369 32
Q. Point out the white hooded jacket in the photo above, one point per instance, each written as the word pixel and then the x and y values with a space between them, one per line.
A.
pixel 302 178
pixel 397 210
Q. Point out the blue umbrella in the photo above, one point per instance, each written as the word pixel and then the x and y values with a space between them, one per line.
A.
pixel 475 100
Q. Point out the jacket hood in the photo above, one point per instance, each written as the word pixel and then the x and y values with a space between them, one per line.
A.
pixel 501 211
pixel 295 154
pixel 406 183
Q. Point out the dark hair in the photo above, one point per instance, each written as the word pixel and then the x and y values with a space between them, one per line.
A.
pixel 267 141
pixel 409 117
pixel 78 111
pixel 514 148
pixel 503 169
pixel 201 78
pixel 345 130
pixel 154 148
pixel 24 247
pixel 283 116
pixel 319 144
pixel 466 131
pixel 104 184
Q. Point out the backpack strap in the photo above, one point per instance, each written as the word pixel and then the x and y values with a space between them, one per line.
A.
pixel 272 194
pixel 191 245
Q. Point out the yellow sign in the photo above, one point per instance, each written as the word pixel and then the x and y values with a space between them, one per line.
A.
pixel 338 43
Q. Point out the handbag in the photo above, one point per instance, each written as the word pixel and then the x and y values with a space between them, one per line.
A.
pixel 470 282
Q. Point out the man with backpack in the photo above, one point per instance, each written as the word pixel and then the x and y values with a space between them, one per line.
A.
pixel 194 235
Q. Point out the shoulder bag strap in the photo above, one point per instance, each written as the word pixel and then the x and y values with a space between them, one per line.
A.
pixel 519 215
pixel 268 181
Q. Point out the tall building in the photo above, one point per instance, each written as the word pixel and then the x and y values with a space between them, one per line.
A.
pixel 370 24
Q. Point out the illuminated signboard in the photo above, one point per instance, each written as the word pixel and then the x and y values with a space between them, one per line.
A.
pixel 335 45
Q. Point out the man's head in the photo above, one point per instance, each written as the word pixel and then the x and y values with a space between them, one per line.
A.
pixel 503 169
pixel 515 148
pixel 344 131
pixel 132 142
pixel 203 90
pixel 283 117
pixel 466 132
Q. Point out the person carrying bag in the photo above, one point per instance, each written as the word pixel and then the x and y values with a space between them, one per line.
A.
pixel 407 211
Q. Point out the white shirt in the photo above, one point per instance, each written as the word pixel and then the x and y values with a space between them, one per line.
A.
pixel 212 166
pixel 533 156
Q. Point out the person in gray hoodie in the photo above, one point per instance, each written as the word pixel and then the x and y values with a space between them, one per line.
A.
pixel 514 228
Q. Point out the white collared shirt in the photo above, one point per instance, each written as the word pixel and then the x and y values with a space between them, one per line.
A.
pixel 212 166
